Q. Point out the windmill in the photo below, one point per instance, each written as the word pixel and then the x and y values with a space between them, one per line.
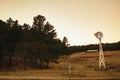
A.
pixel 99 35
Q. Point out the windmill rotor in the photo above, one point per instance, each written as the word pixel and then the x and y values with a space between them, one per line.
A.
pixel 99 35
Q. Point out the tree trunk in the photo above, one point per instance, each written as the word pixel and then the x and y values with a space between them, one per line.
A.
pixel 47 63
pixel 24 63
pixel 10 60
pixel 1 57
pixel 41 63
pixel 16 64
pixel 0 61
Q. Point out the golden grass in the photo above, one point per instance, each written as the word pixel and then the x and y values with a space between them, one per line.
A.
pixel 83 65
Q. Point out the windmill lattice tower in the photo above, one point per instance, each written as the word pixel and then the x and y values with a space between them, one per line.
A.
pixel 99 35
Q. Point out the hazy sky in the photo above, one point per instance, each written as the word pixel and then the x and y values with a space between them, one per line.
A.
pixel 78 20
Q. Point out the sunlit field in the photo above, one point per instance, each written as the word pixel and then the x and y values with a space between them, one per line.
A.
pixel 82 66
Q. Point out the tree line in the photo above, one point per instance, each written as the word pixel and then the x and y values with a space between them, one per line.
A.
pixel 33 46
pixel 85 48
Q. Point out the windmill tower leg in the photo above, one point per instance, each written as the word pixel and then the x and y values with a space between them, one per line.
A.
pixel 101 57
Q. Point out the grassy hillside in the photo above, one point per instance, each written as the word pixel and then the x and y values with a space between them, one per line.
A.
pixel 83 65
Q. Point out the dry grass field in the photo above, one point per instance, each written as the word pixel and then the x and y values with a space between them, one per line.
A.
pixel 82 66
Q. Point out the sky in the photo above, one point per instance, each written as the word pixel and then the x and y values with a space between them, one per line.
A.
pixel 77 20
